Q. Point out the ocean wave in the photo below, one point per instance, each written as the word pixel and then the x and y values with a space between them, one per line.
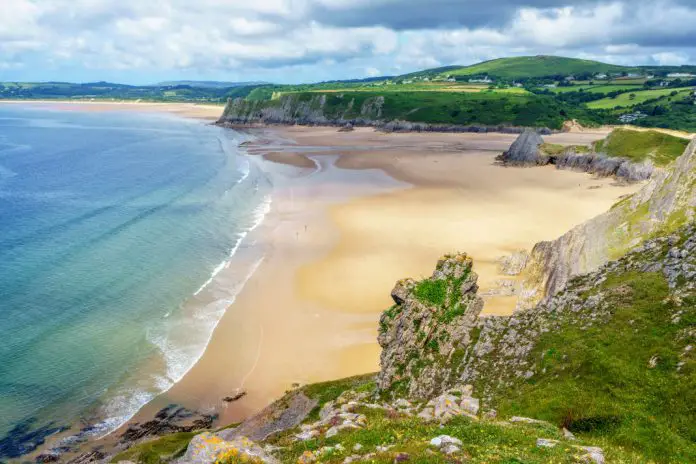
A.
pixel 181 341
pixel 259 214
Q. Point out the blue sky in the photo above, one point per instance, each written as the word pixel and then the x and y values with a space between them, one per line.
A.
pixel 286 41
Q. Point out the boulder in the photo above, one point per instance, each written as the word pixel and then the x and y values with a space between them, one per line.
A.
pixel 524 151
pixel 208 448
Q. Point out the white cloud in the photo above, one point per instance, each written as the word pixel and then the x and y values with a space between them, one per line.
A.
pixel 267 38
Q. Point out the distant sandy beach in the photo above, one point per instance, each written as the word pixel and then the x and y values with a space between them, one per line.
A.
pixel 351 214
pixel 208 112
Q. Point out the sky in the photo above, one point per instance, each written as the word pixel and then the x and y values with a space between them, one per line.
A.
pixel 292 41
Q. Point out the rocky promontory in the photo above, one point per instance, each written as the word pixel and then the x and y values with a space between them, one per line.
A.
pixel 622 161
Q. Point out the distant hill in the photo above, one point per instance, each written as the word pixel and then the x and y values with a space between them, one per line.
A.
pixel 525 67
pixel 208 84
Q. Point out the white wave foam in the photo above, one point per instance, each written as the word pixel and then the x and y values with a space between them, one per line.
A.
pixel 259 214
pixel 180 358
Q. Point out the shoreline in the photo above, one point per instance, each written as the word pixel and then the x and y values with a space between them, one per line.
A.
pixel 299 298
pixel 202 111
pixel 305 294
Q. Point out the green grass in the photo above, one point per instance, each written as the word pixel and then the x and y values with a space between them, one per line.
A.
pixel 600 89
pixel 596 381
pixel 483 442
pixel 625 100
pixel 638 146
pixel 157 451
pixel 432 291
pixel 537 66
pixel 437 107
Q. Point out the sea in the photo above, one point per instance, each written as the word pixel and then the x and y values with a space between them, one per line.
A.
pixel 112 226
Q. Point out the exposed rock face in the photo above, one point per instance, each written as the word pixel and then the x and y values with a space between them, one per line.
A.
pixel 275 418
pixel 525 151
pixel 666 202
pixel 428 328
pixel 501 353
pixel 602 165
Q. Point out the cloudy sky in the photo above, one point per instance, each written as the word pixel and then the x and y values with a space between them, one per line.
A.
pixel 145 41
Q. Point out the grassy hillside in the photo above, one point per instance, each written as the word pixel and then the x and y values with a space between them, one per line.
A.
pixel 537 66
pixel 620 381
pixel 639 146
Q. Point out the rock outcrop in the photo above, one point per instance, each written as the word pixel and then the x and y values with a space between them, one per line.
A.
pixel 525 151
pixel 668 201
pixel 529 150
pixel 426 332
pixel 602 165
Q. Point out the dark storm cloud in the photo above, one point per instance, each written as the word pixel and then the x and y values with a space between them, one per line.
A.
pixel 431 14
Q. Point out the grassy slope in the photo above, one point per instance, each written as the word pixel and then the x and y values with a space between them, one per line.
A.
pixel 597 383
pixel 641 96
pixel 537 66
pixel 641 145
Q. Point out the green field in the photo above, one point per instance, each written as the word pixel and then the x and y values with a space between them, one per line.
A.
pixel 605 88
pixel 626 100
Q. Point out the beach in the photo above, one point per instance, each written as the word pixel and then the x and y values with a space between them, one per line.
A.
pixel 349 214
pixel 206 112
pixel 352 212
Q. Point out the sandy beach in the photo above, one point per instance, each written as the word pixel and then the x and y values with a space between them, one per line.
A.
pixel 351 214
pixel 207 112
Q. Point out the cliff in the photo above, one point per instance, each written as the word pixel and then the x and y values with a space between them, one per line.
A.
pixel 667 202
pixel 395 112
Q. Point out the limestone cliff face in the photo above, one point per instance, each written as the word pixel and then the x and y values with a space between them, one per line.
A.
pixel 665 203
pixel 302 109
pixel 425 334
pixel 425 354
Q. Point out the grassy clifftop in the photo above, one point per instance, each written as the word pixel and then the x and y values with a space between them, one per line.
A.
pixel 449 108
pixel 640 146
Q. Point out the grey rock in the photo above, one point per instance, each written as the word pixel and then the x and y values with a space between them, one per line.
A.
pixel 525 151
pixel 207 448
pixel 443 440
pixel 546 443
pixel 412 333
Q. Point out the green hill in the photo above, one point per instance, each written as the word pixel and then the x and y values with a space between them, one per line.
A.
pixel 524 67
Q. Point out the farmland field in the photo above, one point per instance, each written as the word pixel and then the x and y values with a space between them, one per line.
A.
pixel 625 100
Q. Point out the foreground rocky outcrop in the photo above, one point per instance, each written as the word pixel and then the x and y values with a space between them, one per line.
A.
pixel 426 332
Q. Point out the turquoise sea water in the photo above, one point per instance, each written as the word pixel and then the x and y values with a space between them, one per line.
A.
pixel 110 226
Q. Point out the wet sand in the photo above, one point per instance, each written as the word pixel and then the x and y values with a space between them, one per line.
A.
pixel 351 214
